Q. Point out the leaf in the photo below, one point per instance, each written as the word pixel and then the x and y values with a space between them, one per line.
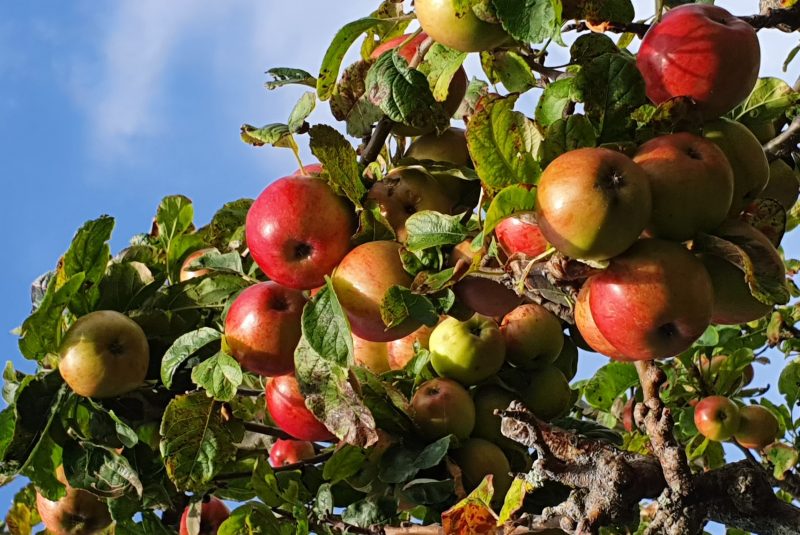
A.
pixel 251 518
pixel 183 348
pixel 275 134
pixel 226 230
pixel 372 226
pixel 515 497
pixel 215 261
pixel 126 286
pixel 509 200
pixel 101 470
pixel 608 383
pixel 502 143
pixel 769 217
pixel 400 463
pixel 474 513
pixel 23 515
pixel 769 100
pixel 197 440
pixel 400 304
pixel 789 383
pixel 89 254
pixel 790 57
pixel 427 229
pixel 301 111
pixel 782 457
pixel 220 375
pixel 174 217
pixel 282 76
pixel 150 525
pixel 41 331
pixel 568 134
pixel 554 101
pixel 326 329
pixel 530 21
pixel 371 511
pixel 339 159
pixel 348 102
pixel 346 462
pixel 428 491
pixel 620 11
pixel 590 46
pixel 440 64
pixel 509 68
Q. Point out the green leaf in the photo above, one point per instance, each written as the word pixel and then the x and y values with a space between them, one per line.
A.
pixel 252 518
pixel 428 491
pixel 150 525
pixel 554 101
pixel 503 143
pixel 183 348
pixel 301 111
pixel 427 229
pixel 41 331
pixel 782 457
pixel 400 463
pixel 530 21
pixel 789 383
pixel 126 286
pixel 215 261
pixel 101 470
pixel 568 134
pixel 371 511
pixel 23 514
pixel 400 304
pixel 339 159
pixel 509 68
pixel 226 230
pixel 349 103
pixel 590 46
pixel 220 375
pixel 346 462
pixel 608 383
pixel 282 76
pixel 769 100
pixel 790 57
pixel 174 217
pixel 89 254
pixel 440 64
pixel 372 226
pixel 619 11
pixel 509 200
pixel 326 329
pixel 275 134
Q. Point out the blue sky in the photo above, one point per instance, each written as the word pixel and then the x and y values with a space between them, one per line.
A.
pixel 107 107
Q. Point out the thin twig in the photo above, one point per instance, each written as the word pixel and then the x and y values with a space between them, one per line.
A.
pixel 784 143
pixel 377 140
pixel 262 429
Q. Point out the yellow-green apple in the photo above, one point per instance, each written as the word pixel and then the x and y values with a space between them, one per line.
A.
pixel 533 336
pixel 104 354
pixel 372 355
pixel 489 398
pixel 733 302
pixel 758 427
pixel 262 328
pixel 478 458
pixel 519 233
pixel 592 203
pixel 361 281
pixel 547 393
pixel 78 512
pixel 401 351
pixel 479 294
pixel 747 159
pixel 463 31
pixel 567 360
pixel 783 185
pixel 298 230
pixel 587 328
pixel 186 273
pixel 468 351
pixel 702 52
pixel 287 407
pixel 442 407
pixel 212 514
pixel 691 182
pixel 653 301
pixel 716 417
pixel 449 147
pixel 285 452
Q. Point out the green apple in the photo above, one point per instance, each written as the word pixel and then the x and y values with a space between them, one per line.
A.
pixel 464 31
pixel 478 458
pixel 442 407
pixel 716 417
pixel 489 398
pixel 468 351
pixel 450 147
pixel 758 427
pixel 547 393
pixel 783 185
pixel 533 336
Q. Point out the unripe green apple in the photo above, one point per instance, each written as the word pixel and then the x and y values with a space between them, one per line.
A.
pixel 477 458
pixel 468 351
pixel 533 336
pixel 464 32
pixel 443 407
pixel 489 398
pixel 567 360
pixel 716 417
pixel 547 393
pixel 783 185
pixel 758 427
pixel 450 147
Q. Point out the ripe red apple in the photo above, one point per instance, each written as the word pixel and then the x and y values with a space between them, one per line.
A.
pixel 691 182
pixel 104 354
pixel 262 328
pixel 477 458
pixel 533 336
pixel 588 330
pixel 186 273
pixel 783 185
pixel 489 398
pixel 592 203
pixel 547 393
pixel 653 301
pixel 484 296
pixel 716 417
pixel 442 407
pixel 371 355
pixel 212 514
pixel 288 409
pixel 519 233
pixel 450 147
pixel 313 169
pixel 462 31
pixel 361 281
pixel 401 351
pixel 758 427
pixel 703 52
pixel 285 452
pixel 292 247
pixel 79 512
pixel 468 351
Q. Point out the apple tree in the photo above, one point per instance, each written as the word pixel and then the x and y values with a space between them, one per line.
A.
pixel 386 341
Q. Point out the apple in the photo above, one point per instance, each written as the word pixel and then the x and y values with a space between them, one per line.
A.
pixel 103 355
pixel 186 273
pixel 285 452
pixel 716 417
pixel 449 147
pixel 710 368
pixel 567 360
pixel 547 393
pixel 533 336
pixel 212 514
pixel 79 512
pixel 764 130
pixel 442 407
pixel 290 246
pixel 361 281
pixel 262 328
pixel 401 351
pixel 702 52
pixel 478 458
pixel 733 302
pixel 479 294
pixel 609 191
pixel 371 355
pixel 489 398
pixel 653 301
pixel 691 182
pixel 783 185
pixel 467 351
pixel 758 427
pixel 287 406
pixel 519 233
pixel 747 159
pixel 587 328
pixel 463 31
pixel 313 169
pixel 627 415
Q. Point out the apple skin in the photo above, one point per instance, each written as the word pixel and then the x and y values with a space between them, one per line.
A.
pixel 691 183
pixel 758 427
pixel 703 52
pixel 783 185
pixel 467 351
pixel 716 417
pixel 478 294
pixel 567 360
pixel 449 147
pixel 533 336
pixel 764 131
pixel 291 247
pixel 489 398
pixel 288 409
pixel 371 355
pixel 477 458
pixel 262 328
pixel 103 355
pixel 520 233
pixel 653 301
pixel 212 514
pixel 466 33
pixel 747 159
pixel 401 351
pixel 312 169
pixel 547 393
pixel 188 274
pixel 285 452
pixel 587 328
pixel 361 281
pixel 79 512
pixel 441 407
pixel 592 203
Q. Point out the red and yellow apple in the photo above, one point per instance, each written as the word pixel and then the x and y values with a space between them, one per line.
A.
pixel 519 233
pixel 186 273
pixel 533 336
pixel 401 351
pixel 442 407
pixel 287 407
pixel 79 512
pixel 587 328
pixel 716 417
pixel 212 514
pixel 285 452
pixel 371 355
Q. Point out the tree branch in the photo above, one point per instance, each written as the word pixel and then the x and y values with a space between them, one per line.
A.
pixel 784 143
pixel 262 429
pixel 379 135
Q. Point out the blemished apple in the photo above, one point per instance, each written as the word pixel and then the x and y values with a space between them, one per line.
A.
pixel 587 328
pixel 212 514
pixel 287 407
pixel 547 393
pixel 520 233
pixel 103 355
pixel 464 32
pixel 567 360
pixel 442 407
pixel 449 147
pixel 691 182
pixel 79 512
pixel 478 458
pixel 479 294
pixel 186 273
pixel 286 451
pixel 758 427
pixel 292 248
pixel 609 191
pixel 747 159
pixel 702 52
pixel 361 281
pixel 783 185
pixel 489 398
pixel 372 355
pixel 468 351
pixel 262 328
pixel 716 417
pixel 653 301
pixel 533 336
pixel 401 351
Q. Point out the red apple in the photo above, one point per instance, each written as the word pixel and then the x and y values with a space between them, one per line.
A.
pixel 481 295
pixel 401 351
pixel 533 335
pixel 588 330
pixel 716 417
pixel 287 406
pixel 758 427
pixel 520 234
pixel 371 355
pixel 313 169
pixel 298 230
pixel 212 514
pixel 79 512
pixel 442 407
pixel 702 52
pixel 186 273
pixel 285 452
pixel 262 328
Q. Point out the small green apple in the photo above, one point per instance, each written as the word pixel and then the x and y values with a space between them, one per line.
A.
pixel 477 458
pixel 547 393
pixel 489 398
pixel 467 351
pixel 783 185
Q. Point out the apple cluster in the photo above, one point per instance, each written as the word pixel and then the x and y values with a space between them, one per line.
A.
pixel 720 418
